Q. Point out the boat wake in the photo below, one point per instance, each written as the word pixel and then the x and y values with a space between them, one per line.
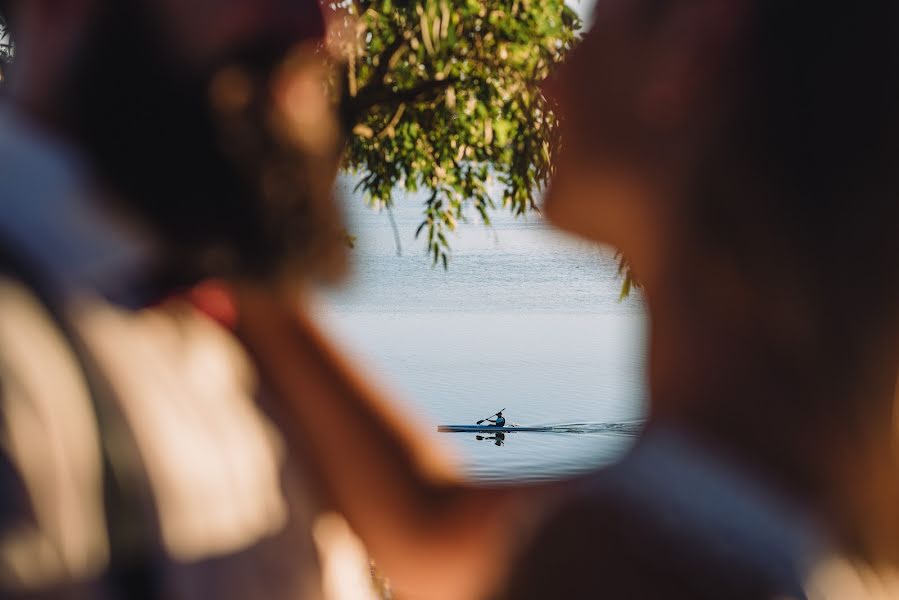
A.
pixel 620 427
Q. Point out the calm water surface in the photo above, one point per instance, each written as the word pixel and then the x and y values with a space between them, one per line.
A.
pixel 525 319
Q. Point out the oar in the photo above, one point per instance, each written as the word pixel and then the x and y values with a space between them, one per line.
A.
pixel 485 418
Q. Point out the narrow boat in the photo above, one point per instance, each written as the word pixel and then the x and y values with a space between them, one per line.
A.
pixel 488 428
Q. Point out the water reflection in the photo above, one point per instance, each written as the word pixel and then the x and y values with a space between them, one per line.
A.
pixel 499 438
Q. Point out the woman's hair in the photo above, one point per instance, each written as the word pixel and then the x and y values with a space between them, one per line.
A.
pixel 225 190
pixel 800 191
pixel 797 199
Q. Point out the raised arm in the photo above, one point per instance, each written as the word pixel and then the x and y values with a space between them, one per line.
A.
pixel 435 536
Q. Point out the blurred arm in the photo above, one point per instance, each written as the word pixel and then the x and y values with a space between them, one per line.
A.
pixel 434 536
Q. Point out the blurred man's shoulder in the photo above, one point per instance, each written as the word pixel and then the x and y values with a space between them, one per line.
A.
pixel 668 521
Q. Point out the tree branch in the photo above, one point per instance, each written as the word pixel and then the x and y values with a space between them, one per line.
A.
pixel 396 231
pixel 353 108
pixel 390 128
pixel 386 57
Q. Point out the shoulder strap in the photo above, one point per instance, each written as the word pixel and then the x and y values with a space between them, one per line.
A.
pixel 135 555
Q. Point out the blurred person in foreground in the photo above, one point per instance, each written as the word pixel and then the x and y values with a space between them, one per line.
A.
pixel 147 145
pixel 143 148
pixel 723 146
pixel 742 155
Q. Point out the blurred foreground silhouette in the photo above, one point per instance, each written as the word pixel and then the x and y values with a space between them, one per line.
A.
pixel 742 157
pixel 145 146
pixel 739 154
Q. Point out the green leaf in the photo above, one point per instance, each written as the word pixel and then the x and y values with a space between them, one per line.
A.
pixel 467 74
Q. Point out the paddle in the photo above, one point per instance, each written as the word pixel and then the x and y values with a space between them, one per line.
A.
pixel 485 418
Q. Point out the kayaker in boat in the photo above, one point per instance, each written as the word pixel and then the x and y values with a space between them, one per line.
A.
pixel 499 421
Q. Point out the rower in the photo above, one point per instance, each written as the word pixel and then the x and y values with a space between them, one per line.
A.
pixel 499 421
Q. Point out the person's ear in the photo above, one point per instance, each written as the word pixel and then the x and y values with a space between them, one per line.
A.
pixel 693 43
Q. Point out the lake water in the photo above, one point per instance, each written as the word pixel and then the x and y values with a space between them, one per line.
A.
pixel 525 319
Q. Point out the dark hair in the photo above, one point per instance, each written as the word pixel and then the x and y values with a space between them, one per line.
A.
pixel 801 190
pixel 225 192
pixel 798 204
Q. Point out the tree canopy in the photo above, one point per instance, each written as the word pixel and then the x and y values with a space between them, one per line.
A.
pixel 444 97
